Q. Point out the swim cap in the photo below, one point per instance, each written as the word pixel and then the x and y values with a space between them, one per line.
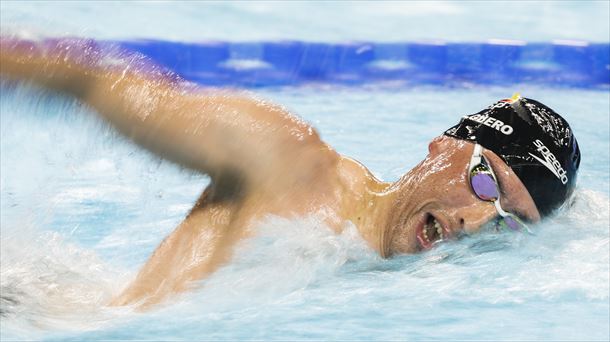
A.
pixel 534 141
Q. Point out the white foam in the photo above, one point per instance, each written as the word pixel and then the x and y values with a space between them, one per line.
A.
pixel 48 283
pixel 285 256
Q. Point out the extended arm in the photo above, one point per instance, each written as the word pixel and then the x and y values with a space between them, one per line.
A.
pixel 234 139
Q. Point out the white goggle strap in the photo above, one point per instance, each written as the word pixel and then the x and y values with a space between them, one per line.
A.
pixel 475 159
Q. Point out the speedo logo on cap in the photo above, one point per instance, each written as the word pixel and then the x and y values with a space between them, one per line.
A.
pixel 550 162
pixel 492 122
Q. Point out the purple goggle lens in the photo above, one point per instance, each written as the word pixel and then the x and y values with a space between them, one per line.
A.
pixel 483 184
pixel 511 223
pixel 485 187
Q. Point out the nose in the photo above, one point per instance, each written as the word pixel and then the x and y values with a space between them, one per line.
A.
pixel 473 217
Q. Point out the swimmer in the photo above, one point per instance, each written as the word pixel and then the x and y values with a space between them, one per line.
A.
pixel 507 166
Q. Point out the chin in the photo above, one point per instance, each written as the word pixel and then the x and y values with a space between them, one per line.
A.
pixel 404 240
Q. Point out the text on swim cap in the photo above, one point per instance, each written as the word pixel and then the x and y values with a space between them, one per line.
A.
pixel 491 122
pixel 550 161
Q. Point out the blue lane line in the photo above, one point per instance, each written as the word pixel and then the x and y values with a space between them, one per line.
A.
pixel 258 64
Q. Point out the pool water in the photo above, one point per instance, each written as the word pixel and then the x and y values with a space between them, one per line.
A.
pixel 328 21
pixel 81 208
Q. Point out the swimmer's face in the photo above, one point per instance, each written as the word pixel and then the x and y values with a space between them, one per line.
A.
pixel 436 201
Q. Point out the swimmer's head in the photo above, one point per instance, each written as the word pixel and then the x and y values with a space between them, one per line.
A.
pixel 531 138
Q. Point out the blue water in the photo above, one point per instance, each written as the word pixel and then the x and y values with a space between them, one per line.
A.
pixel 82 209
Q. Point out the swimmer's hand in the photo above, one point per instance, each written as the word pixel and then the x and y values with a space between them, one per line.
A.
pixel 242 143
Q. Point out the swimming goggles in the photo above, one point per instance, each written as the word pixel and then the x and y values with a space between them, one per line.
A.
pixel 485 185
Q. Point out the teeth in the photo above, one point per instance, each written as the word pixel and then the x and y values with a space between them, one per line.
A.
pixel 429 228
pixel 426 232
pixel 439 229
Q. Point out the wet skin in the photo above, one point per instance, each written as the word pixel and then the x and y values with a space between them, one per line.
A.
pixel 262 161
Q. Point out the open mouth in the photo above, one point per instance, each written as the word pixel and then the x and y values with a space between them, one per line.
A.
pixel 430 232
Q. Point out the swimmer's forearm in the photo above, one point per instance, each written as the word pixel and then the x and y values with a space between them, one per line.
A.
pixel 132 102
pixel 45 66
pixel 135 104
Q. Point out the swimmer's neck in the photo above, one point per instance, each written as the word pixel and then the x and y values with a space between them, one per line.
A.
pixel 369 204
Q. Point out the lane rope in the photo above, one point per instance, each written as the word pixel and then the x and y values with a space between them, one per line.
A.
pixel 577 64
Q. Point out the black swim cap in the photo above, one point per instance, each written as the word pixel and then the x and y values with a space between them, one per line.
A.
pixel 534 141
